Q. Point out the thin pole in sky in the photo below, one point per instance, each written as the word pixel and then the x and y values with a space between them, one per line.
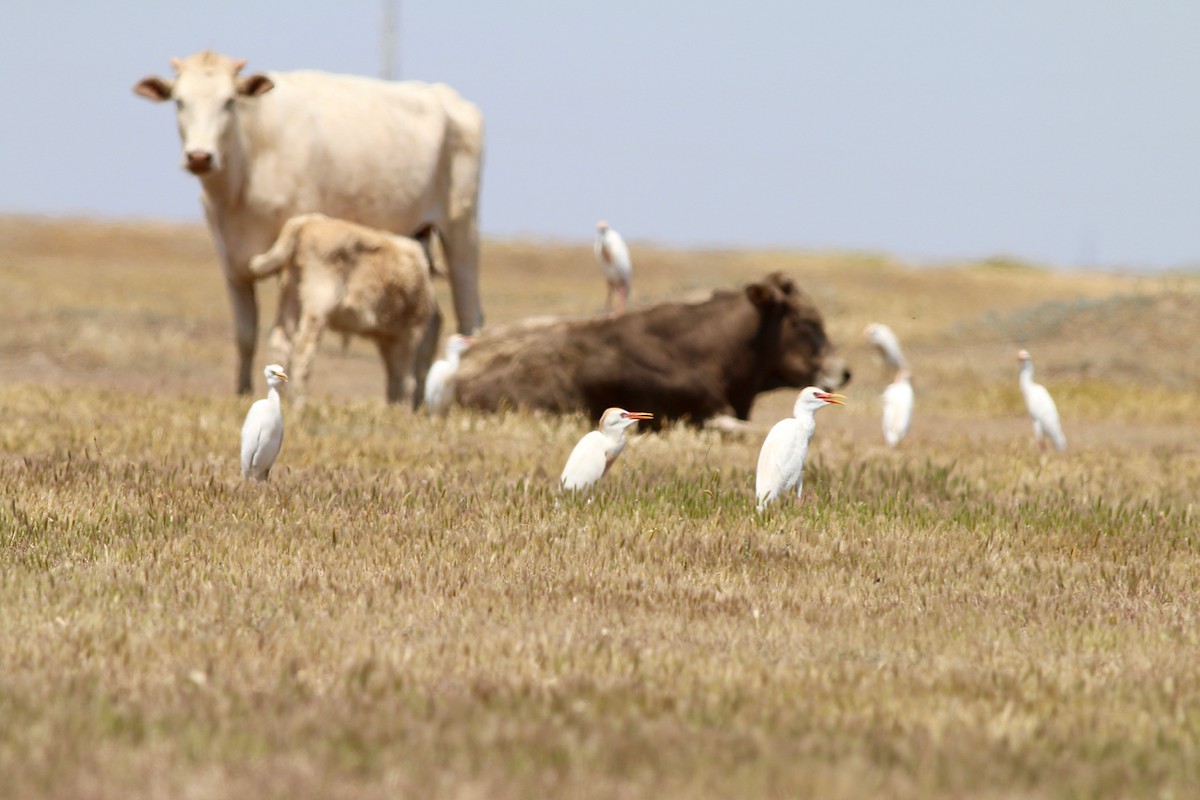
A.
pixel 389 60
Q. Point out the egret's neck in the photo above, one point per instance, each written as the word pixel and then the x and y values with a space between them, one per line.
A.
pixel 614 440
pixel 806 419
pixel 1027 373
pixel 273 396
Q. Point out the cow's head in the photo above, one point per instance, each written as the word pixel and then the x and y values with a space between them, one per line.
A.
pixel 793 342
pixel 206 89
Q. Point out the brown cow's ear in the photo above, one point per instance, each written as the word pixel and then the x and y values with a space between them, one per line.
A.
pixel 787 284
pixel 762 295
pixel 154 88
pixel 255 85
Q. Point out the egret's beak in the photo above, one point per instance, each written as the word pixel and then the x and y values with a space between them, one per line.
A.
pixel 638 415
pixel 836 399
pixel 282 376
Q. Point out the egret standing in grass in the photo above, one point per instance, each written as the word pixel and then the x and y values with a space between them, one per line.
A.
pixel 597 450
pixel 439 382
pixel 613 255
pixel 781 460
pixel 885 340
pixel 897 408
pixel 1041 407
pixel 262 432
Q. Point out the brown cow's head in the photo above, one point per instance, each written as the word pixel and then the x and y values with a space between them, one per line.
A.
pixel 205 89
pixel 792 337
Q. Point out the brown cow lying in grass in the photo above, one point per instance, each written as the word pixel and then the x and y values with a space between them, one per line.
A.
pixel 700 361
pixel 353 279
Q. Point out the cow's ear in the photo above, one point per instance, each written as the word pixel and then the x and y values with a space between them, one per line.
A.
pixel 787 285
pixel 154 88
pixel 255 85
pixel 763 295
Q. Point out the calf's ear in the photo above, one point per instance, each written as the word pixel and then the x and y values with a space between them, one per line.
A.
pixel 254 85
pixel 154 88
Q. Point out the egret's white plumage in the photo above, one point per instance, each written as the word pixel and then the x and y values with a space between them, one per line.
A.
pixel 439 382
pixel 613 256
pixel 262 432
pixel 781 460
pixel 1041 406
pixel 886 341
pixel 597 450
pixel 897 408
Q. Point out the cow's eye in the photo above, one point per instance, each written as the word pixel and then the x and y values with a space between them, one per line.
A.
pixel 179 103
pixel 229 104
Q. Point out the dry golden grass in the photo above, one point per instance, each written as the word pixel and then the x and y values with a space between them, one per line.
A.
pixel 408 608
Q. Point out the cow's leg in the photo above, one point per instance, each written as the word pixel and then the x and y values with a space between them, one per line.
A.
pixel 427 341
pixel 462 254
pixel 397 355
pixel 303 352
pixel 245 321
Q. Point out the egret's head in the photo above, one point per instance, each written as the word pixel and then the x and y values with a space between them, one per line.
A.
pixel 812 398
pixel 274 375
pixel 601 226
pixel 874 332
pixel 615 420
pixel 1023 356
pixel 456 344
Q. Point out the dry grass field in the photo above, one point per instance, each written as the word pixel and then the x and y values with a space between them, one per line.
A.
pixel 409 608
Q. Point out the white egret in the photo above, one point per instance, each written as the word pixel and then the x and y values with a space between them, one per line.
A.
pixel 1041 407
pixel 781 460
pixel 885 340
pixel 262 432
pixel 613 255
pixel 897 408
pixel 439 382
pixel 598 449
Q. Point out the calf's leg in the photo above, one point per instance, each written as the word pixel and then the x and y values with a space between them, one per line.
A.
pixel 427 341
pixel 307 339
pixel 397 355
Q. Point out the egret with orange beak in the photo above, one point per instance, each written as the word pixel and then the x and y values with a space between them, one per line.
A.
pixel 262 432
pixel 597 450
pixel 613 256
pixel 1041 406
pixel 781 460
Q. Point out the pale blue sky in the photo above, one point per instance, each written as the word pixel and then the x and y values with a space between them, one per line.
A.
pixel 1062 131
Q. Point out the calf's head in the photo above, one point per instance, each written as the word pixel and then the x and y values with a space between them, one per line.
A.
pixel 206 90
pixel 791 338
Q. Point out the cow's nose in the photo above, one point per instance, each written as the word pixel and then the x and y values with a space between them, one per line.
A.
pixel 199 161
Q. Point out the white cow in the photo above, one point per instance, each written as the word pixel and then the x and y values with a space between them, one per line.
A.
pixel 395 156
